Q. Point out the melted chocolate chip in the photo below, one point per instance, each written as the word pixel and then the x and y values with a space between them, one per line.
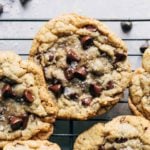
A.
pixel 91 28
pixel 144 47
pixel 28 96
pixel 57 89
pixel 72 56
pixel 110 85
pixel 25 121
pixel 86 41
pixel 16 122
pixel 69 73
pixel 80 73
pixel 51 57
pixel 95 89
pixel 121 140
pixel 126 26
pixel 120 57
pixel 7 91
pixel 86 101
pixel 9 81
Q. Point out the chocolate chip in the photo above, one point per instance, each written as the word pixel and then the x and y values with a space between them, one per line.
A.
pixel 95 89
pixel 121 140
pixel 15 122
pixel 57 89
pixel 9 81
pixel 91 28
pixel 7 91
pixel 1 9
pixel 120 57
pixel 80 73
pixel 25 121
pixel 69 73
pixel 126 26
pixel 72 56
pixel 86 101
pixel 144 47
pixel 24 2
pixel 86 41
pixel 110 85
pixel 28 96
pixel 51 57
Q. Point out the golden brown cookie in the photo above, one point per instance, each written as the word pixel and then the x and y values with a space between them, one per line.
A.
pixel 31 145
pixel 122 133
pixel 85 65
pixel 26 109
pixel 139 100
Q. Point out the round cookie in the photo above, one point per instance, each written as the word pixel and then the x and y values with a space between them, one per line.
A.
pixel 26 109
pixel 139 100
pixel 85 65
pixel 31 145
pixel 122 133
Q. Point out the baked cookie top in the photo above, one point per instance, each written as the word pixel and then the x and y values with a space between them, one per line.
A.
pixel 122 133
pixel 139 100
pixel 85 65
pixel 31 145
pixel 26 109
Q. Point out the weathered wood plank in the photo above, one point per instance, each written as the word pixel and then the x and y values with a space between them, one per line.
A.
pixel 27 30
pixel 108 9
pixel 23 46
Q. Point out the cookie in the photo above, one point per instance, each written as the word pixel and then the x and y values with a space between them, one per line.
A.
pixel 31 145
pixel 139 100
pixel 85 65
pixel 122 133
pixel 26 109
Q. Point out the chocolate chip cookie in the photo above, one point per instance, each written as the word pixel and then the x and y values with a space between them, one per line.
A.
pixel 85 65
pixel 31 145
pixel 122 133
pixel 26 109
pixel 139 100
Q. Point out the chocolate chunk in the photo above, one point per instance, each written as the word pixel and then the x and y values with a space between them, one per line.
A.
pixel 110 85
pixel 1 9
pixel 15 122
pixel 25 121
pixel 126 26
pixel 9 81
pixel 120 57
pixel 51 57
pixel 57 89
pixel 91 28
pixel 80 73
pixel 69 73
pixel 86 101
pixel 144 47
pixel 70 93
pixel 28 96
pixel 95 89
pixel 72 56
pixel 121 140
pixel 86 41
pixel 7 91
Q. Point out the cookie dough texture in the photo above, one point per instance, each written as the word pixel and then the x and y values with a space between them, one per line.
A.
pixel 139 100
pixel 122 133
pixel 85 65
pixel 31 145
pixel 26 109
